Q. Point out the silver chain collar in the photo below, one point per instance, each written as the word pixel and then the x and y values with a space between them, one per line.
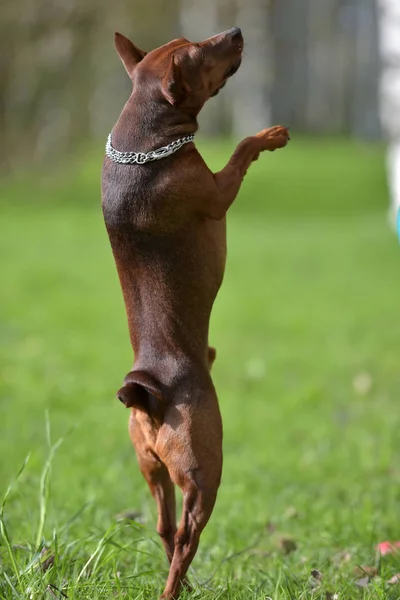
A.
pixel 140 158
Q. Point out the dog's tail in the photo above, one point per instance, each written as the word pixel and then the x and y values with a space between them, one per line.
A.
pixel 142 391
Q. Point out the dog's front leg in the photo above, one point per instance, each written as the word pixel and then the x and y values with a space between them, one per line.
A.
pixel 229 179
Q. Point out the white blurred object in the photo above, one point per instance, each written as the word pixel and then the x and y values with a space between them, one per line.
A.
pixel 389 27
pixel 393 168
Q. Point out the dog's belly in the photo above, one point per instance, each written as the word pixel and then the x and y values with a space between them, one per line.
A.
pixel 169 285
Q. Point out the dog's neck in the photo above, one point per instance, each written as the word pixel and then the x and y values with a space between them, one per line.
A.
pixel 147 124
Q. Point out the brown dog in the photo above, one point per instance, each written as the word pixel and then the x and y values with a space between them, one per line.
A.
pixel 166 223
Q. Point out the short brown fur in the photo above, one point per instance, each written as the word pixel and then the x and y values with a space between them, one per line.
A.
pixel 166 224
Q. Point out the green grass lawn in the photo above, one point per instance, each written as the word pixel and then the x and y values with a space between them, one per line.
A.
pixel 307 330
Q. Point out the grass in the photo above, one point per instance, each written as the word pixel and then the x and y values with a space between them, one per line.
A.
pixel 307 330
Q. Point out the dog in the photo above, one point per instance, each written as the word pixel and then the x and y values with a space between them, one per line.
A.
pixel 165 212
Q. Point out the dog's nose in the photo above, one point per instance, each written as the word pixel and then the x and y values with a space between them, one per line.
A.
pixel 226 37
pixel 234 33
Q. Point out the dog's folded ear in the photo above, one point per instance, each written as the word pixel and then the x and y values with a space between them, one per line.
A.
pixel 174 86
pixel 141 391
pixel 130 54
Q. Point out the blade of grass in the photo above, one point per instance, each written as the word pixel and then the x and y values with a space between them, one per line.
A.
pixel 44 481
pixel 3 528
pixel 14 591
pixel 99 548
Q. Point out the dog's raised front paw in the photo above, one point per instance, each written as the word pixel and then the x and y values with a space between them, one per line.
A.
pixel 274 137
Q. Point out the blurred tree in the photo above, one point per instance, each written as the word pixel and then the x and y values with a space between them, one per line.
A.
pixel 251 109
pixel 363 120
pixel 289 23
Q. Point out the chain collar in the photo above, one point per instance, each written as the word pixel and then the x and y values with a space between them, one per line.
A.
pixel 140 158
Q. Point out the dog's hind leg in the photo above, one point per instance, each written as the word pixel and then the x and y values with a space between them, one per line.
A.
pixel 163 491
pixel 160 484
pixel 190 444
pixel 198 504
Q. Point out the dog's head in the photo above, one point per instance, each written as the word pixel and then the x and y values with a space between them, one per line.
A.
pixel 184 73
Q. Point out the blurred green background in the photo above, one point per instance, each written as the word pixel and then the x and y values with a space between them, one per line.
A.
pixel 306 328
